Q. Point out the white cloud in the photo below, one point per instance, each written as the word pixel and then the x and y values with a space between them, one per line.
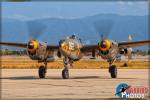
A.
pixel 17 16
pixel 126 3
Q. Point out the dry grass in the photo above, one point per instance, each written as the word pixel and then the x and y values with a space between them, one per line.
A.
pixel 16 63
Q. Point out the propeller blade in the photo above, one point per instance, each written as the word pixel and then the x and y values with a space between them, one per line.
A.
pixel 103 27
pixel 35 29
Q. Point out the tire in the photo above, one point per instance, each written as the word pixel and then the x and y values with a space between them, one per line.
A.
pixel 113 71
pixel 65 74
pixel 42 72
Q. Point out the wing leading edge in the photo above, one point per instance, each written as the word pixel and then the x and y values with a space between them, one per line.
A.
pixel 85 47
pixel 24 45
pixel 133 44
pixel 21 45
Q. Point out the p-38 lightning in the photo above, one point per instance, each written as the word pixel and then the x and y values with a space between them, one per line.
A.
pixel 72 49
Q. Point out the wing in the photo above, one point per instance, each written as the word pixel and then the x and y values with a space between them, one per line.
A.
pixel 133 44
pixel 88 48
pixel 24 45
pixel 21 45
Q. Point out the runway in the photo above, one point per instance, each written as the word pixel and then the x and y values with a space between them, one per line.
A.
pixel 83 83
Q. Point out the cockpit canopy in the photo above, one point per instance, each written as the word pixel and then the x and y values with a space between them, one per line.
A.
pixel 73 36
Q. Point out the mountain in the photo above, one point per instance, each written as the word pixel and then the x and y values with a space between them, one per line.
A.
pixel 14 31
pixel 89 28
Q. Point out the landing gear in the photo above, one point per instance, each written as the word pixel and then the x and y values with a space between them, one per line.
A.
pixel 113 71
pixel 65 74
pixel 42 70
pixel 65 71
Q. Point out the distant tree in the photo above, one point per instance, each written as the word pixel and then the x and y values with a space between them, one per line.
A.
pixel 141 52
pixel 12 52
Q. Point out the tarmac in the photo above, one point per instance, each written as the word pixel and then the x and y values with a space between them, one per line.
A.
pixel 83 83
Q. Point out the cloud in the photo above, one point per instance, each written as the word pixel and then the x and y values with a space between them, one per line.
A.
pixel 125 3
pixel 134 8
pixel 18 17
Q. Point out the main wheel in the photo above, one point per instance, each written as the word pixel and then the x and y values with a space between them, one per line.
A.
pixel 113 71
pixel 42 72
pixel 65 74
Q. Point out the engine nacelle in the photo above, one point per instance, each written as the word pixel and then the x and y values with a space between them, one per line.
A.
pixel 37 50
pixel 126 51
pixel 108 49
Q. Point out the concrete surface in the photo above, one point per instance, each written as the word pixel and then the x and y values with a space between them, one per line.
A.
pixel 83 83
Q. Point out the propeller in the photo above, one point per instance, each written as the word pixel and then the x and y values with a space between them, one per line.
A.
pixel 35 29
pixel 103 27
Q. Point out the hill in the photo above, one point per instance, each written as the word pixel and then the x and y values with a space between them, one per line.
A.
pixel 89 28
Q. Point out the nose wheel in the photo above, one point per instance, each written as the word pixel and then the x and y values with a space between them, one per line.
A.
pixel 65 74
pixel 42 70
pixel 65 71
pixel 113 71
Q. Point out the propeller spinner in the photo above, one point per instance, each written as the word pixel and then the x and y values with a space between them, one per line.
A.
pixel 32 46
pixel 104 45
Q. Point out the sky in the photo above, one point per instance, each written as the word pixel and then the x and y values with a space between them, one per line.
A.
pixel 38 10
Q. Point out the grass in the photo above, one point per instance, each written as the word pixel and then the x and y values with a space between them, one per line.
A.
pixel 88 64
